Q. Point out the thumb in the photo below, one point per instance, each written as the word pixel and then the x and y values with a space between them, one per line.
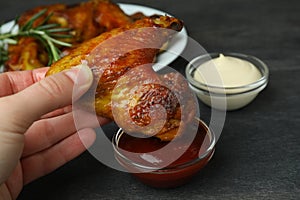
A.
pixel 51 93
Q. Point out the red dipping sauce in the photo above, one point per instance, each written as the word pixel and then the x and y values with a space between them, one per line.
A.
pixel 164 164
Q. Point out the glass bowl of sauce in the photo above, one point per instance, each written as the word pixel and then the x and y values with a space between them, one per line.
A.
pixel 163 164
pixel 227 81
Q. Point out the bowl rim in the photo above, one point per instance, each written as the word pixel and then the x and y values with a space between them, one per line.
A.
pixel 215 94
pixel 260 65
pixel 157 170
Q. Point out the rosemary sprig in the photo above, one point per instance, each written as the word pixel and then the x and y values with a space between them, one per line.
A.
pixel 48 34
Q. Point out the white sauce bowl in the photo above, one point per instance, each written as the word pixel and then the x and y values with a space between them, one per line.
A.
pixel 222 97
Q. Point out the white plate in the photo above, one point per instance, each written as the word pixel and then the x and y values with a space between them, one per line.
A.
pixel 175 46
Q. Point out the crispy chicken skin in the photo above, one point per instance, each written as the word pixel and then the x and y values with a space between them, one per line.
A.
pixel 121 59
pixel 26 53
pixel 86 19
pixel 155 105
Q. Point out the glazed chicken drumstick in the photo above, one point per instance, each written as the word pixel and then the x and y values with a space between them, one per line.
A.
pixel 128 90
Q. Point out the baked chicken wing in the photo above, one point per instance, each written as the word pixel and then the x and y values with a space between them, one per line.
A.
pixel 128 90
pixel 86 20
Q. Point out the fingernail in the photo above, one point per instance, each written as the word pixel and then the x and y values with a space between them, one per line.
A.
pixel 82 77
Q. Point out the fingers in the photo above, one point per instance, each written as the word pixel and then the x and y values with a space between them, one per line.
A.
pixel 49 94
pixel 13 82
pixel 11 146
pixel 56 129
pixel 50 159
pixel 58 112
pixel 20 110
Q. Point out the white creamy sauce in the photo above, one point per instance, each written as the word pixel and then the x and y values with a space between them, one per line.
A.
pixel 229 76
pixel 227 71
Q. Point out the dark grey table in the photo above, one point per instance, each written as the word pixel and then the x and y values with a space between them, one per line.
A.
pixel 258 154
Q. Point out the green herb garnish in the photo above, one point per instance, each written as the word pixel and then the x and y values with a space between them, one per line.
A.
pixel 47 34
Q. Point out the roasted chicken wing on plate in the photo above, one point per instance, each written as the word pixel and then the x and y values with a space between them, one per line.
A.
pixel 86 20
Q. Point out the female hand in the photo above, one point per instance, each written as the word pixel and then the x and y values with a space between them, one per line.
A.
pixel 37 129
